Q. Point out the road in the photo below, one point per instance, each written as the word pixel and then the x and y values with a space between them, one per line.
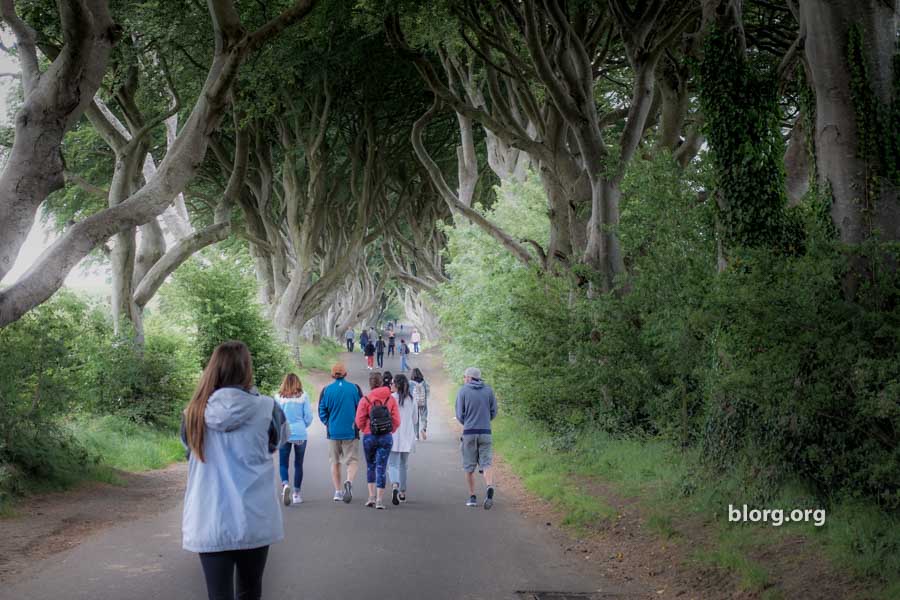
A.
pixel 432 547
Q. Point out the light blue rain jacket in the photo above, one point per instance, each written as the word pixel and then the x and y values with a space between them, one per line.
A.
pixel 230 501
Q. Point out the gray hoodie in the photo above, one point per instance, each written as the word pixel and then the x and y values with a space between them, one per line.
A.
pixel 476 407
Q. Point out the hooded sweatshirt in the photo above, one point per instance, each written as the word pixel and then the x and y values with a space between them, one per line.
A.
pixel 299 415
pixel 382 395
pixel 229 501
pixel 337 409
pixel 476 407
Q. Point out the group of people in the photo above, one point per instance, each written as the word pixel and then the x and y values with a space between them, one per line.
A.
pixel 373 346
pixel 391 417
pixel 230 431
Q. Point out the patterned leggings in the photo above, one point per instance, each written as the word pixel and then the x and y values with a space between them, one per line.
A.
pixel 377 449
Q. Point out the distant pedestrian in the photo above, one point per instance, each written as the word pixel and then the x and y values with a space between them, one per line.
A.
pixel 420 393
pixel 231 514
pixel 403 348
pixel 416 339
pixel 377 417
pixel 337 411
pixel 404 440
pixel 391 343
pixel 370 354
pixel 349 337
pixel 363 340
pixel 476 407
pixel 379 351
pixel 295 404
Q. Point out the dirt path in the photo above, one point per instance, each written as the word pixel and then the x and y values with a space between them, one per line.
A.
pixel 45 524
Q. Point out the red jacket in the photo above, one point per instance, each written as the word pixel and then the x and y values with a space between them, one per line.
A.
pixel 382 395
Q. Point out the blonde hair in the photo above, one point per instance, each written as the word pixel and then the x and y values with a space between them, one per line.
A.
pixel 291 387
pixel 229 365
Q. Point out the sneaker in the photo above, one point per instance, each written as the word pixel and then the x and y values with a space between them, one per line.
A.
pixel 370 502
pixel 338 495
pixel 286 494
pixel 473 501
pixel 379 505
pixel 489 499
pixel 402 497
pixel 395 496
pixel 296 498
pixel 348 495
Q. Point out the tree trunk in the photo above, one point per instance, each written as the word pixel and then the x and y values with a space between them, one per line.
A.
pixel 858 207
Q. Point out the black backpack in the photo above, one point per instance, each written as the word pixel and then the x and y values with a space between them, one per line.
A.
pixel 380 420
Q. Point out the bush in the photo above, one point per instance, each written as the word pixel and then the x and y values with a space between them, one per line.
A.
pixel 765 368
pixel 217 301
pixel 62 359
pixel 146 385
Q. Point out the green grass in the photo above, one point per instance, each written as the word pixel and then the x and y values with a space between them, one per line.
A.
pixel 671 486
pixel 320 356
pixel 126 445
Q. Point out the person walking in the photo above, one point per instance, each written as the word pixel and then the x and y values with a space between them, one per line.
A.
pixel 377 417
pixel 404 355
pixel 476 407
pixel 391 343
pixel 363 340
pixel 420 393
pixel 349 338
pixel 295 404
pixel 231 515
pixel 416 339
pixel 370 354
pixel 337 411
pixel 379 352
pixel 404 441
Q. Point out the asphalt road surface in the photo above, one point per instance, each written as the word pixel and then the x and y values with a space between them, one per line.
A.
pixel 432 547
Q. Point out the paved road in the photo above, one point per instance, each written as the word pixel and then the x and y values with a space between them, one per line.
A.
pixel 432 547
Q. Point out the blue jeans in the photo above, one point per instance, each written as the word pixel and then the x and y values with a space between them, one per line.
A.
pixel 416 347
pixel 284 460
pixel 398 468
pixel 380 359
pixel 404 366
pixel 377 449
pixel 422 425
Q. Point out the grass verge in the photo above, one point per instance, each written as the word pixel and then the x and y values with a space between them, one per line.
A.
pixel 125 445
pixel 671 487
pixel 320 356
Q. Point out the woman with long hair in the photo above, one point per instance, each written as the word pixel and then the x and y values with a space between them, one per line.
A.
pixel 295 404
pixel 231 514
pixel 404 441
pixel 377 418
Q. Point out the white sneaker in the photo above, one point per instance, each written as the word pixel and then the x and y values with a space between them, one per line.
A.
pixel 296 498
pixel 286 494
pixel 338 495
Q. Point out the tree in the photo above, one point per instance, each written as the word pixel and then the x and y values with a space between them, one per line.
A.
pixel 233 44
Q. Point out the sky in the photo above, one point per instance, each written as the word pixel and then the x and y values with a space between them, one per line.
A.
pixel 96 280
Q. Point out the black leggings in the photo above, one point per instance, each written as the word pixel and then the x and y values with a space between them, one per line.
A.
pixel 219 570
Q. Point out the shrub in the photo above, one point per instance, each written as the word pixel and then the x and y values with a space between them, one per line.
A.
pixel 217 301
pixel 765 368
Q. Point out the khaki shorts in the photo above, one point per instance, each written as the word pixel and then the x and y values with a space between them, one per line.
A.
pixel 345 452
pixel 477 450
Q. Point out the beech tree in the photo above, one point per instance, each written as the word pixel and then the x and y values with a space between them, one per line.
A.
pixel 233 43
